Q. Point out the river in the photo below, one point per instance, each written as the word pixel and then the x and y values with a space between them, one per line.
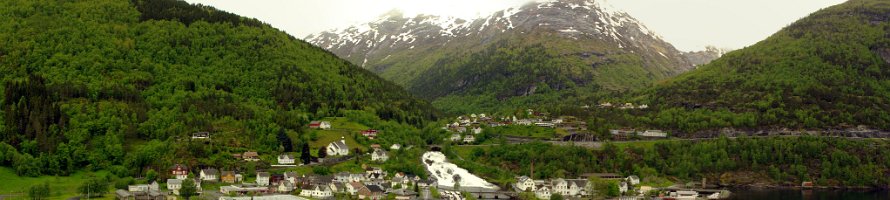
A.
pixel 815 194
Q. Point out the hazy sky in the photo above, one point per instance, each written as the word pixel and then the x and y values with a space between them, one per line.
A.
pixel 688 24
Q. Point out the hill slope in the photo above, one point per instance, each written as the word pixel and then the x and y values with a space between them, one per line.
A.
pixel 828 70
pixel 87 82
pixel 534 53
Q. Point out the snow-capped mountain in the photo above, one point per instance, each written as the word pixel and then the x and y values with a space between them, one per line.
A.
pixel 574 19
pixel 567 43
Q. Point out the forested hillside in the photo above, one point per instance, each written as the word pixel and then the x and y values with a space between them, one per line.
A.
pixel 828 70
pixel 116 84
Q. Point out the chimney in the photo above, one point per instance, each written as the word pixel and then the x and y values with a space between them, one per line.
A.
pixel 343 139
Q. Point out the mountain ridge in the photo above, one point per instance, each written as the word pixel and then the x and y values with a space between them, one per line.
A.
pixel 593 37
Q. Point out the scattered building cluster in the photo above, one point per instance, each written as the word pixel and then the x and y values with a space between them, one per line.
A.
pixel 572 188
pixel 623 106
pixel 628 133
pixel 465 128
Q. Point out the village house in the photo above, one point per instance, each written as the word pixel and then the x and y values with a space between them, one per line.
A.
pixel 371 192
pixel 262 178
pixel 251 156
pixel 174 185
pixel 243 189
pixel 395 147
pixel 477 130
pixel 324 125
pixel 209 174
pixel 455 137
pixel 570 187
pixel 469 139
pixel 653 133
pixel 337 188
pixel 523 122
pixel 524 183
pixel 404 194
pixel 285 159
pixel 370 133
pixel 461 129
pixel 201 136
pixel 140 192
pixel 316 191
pixel 353 187
pixel 542 191
pixel 338 148
pixel 180 171
pixel 230 177
pixel 285 187
pixel 379 155
pixel 622 187
pixel 633 180
pixel 290 177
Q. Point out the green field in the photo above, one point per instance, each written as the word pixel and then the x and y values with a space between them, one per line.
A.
pixel 61 187
pixel 340 128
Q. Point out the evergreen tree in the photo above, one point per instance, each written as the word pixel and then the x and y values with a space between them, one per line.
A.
pixel 188 188
pixel 322 152
pixel 304 155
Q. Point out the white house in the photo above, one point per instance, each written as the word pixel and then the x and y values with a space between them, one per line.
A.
pixel 285 159
pixel 201 136
pixel 569 187
pixel 633 180
pixel 290 177
pixel 469 139
pixel 653 133
pixel 524 122
pixel 524 183
pixel 285 186
pixel 317 191
pixel 338 148
pixel 477 130
pixel 174 185
pixel 542 192
pixel 325 125
pixel 622 187
pixel 379 155
pixel 209 174
pixel 455 137
pixel 262 178
pixel 353 187
pixel 395 147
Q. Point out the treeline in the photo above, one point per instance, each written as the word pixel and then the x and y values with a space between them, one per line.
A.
pixel 186 13
pixel 826 161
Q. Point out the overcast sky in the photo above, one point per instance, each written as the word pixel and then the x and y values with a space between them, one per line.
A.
pixel 688 24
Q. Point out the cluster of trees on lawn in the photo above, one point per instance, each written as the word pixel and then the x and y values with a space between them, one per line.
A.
pixel 121 85
pixel 827 161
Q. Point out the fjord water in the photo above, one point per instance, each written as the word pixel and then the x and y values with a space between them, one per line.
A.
pixel 796 194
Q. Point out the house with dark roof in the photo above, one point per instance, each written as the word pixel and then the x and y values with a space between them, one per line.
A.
pixel 209 174
pixel 372 192
pixel 338 148
pixel 251 156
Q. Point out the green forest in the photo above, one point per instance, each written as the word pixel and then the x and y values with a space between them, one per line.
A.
pixel 828 70
pixel 121 85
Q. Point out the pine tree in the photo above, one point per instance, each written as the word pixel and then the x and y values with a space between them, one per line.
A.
pixel 304 155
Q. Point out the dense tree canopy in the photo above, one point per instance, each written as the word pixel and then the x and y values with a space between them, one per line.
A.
pixel 85 81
